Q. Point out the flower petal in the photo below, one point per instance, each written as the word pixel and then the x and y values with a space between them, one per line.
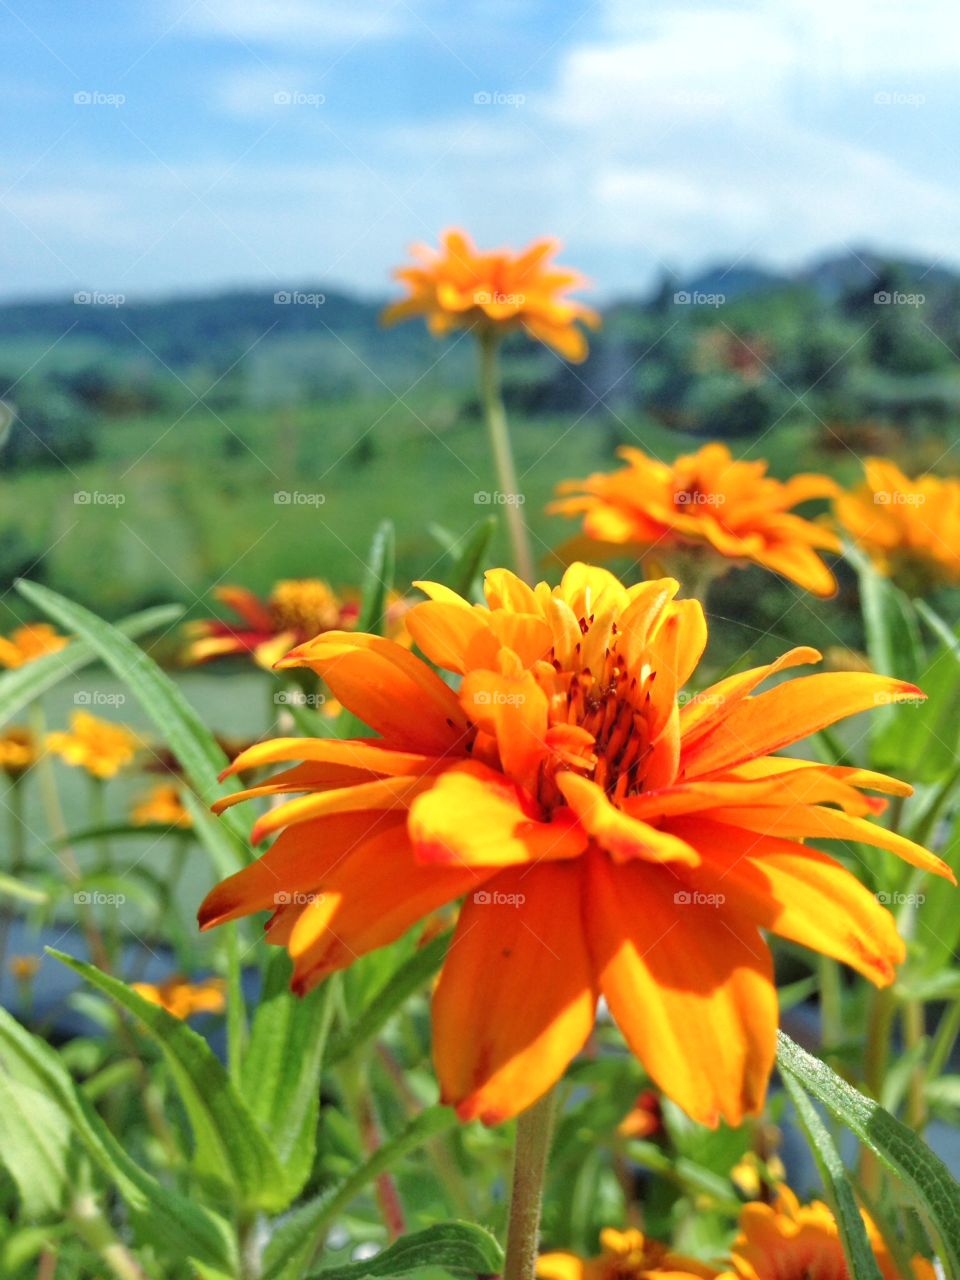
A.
pixel 623 836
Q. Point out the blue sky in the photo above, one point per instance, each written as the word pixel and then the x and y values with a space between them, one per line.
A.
pixel 230 142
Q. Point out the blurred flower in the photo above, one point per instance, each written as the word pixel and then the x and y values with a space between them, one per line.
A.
pixel 100 747
pixel 18 751
pixel 182 998
pixel 707 512
pixel 161 806
pixel 626 1255
pixel 24 968
pixel 643 1120
pixel 909 528
pixel 30 642
pixel 459 287
pixel 296 610
pixel 751 1174
pixel 608 840
pixel 790 1241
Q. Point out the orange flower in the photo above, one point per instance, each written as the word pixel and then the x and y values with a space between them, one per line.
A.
pixel 296 610
pixel 607 841
pixel 27 643
pixel 183 999
pixel 790 1241
pixel 161 805
pixel 707 511
pixel 643 1120
pixel 626 1255
pixel 459 287
pixel 909 528
pixel 98 746
pixel 18 751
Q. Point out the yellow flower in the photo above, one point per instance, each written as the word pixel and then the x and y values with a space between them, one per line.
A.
pixel 24 968
pixel 162 806
pixel 790 1241
pixel 605 839
pixel 626 1255
pixel 18 751
pixel 460 287
pixel 909 528
pixel 706 509
pixel 182 998
pixel 30 642
pixel 98 746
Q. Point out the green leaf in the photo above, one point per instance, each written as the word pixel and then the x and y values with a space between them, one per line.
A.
pixel 469 557
pixel 925 1175
pixel 170 1221
pixel 23 685
pixel 175 720
pixel 281 1069
pixel 410 977
pixel 295 1242
pixel 34 1146
pixel 861 1261
pixel 893 636
pixel 232 1154
pixel 378 580
pixel 11 887
pixel 460 1248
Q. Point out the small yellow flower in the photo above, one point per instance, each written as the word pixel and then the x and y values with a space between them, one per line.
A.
pixel 24 968
pixel 161 806
pixel 182 998
pixel 790 1241
pixel 909 528
pixel 626 1255
pixel 18 751
pixel 98 746
pixel 30 642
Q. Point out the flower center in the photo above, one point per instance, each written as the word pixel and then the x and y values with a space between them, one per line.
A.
pixel 307 606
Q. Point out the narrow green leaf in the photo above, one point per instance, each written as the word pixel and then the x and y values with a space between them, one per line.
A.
pixel 460 1248
pixel 231 1155
pixel 281 1068
pixel 378 580
pixel 861 1261
pixel 893 636
pixel 34 1147
pixel 410 977
pixel 469 557
pixel 11 887
pixel 294 1244
pixel 170 1221
pixel 925 1175
pixel 23 685
pixel 175 720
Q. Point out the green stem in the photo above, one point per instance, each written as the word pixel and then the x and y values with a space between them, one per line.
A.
pixel 499 434
pixel 946 1037
pixel 236 1005
pixel 831 1004
pixel 913 1033
pixel 876 1059
pixel 17 863
pixel 97 1234
pixel 534 1132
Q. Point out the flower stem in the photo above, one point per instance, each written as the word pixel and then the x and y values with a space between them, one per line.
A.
pixel 534 1132
pixel 499 434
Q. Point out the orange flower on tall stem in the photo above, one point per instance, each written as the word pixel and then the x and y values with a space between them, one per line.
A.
pixel 703 515
pixel 790 1241
pixel 604 839
pixel 909 528
pixel 625 1255
pixel 30 642
pixel 494 294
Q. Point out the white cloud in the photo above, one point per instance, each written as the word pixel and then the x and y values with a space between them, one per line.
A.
pixel 295 22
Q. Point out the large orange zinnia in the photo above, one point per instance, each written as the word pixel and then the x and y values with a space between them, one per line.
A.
pixel 458 286
pixel 625 1255
pixel 909 528
pixel 606 840
pixel 709 510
